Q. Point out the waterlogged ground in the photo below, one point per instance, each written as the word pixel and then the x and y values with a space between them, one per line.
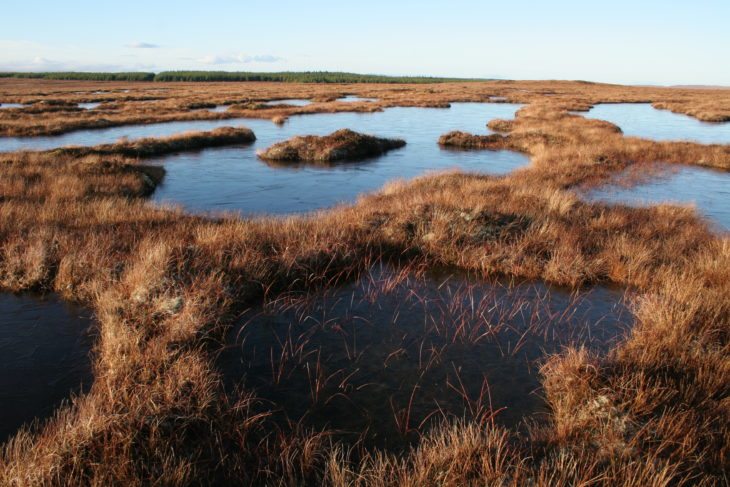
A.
pixel 291 101
pixel 706 189
pixel 382 358
pixel 234 179
pixel 44 357
pixel 643 120
pixel 354 99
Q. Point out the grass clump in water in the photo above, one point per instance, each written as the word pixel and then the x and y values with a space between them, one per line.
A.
pixel 343 144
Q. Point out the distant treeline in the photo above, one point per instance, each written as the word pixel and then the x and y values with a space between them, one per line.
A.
pixel 284 77
pixel 84 76
pixel 296 77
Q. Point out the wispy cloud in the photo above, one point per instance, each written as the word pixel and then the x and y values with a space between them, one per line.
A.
pixel 142 45
pixel 239 59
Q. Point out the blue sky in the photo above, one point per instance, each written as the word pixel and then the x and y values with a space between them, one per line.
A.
pixel 652 42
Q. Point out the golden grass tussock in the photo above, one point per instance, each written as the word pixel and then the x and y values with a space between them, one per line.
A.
pixel 166 285
pixel 150 146
pixel 339 145
pixel 463 140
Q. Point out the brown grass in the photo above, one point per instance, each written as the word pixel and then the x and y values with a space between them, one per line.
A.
pixel 165 285
pixel 150 146
pixel 53 103
pixel 342 144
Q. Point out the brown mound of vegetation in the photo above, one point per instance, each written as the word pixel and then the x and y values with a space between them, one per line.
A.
pixel 343 144
pixel 465 140
pixel 150 146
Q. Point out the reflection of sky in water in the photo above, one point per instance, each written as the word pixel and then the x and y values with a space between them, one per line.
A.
pixel 707 189
pixel 233 178
pixel 643 120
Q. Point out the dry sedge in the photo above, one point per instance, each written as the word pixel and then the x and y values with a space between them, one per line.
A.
pixel 343 144
pixel 165 286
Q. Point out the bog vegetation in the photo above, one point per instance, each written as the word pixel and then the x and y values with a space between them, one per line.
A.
pixel 167 286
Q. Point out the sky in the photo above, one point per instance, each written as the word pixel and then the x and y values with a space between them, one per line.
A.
pixel 635 42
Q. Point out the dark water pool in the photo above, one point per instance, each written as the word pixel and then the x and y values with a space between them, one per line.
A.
pixel 382 358
pixel 707 189
pixel 643 120
pixel 234 179
pixel 44 357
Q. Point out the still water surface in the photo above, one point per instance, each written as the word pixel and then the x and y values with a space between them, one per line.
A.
pixel 44 357
pixel 643 120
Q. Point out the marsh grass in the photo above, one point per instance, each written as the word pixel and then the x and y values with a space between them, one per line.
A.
pixel 339 145
pixel 166 286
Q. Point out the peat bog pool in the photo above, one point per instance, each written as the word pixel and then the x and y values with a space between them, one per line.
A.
pixel 45 347
pixel 381 358
pixel 643 120
pixel 235 179
pixel 707 189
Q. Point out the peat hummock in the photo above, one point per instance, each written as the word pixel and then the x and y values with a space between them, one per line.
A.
pixel 337 146
pixel 150 146
pixel 466 140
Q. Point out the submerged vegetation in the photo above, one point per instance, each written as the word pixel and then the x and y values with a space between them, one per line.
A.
pixel 167 287
pixel 339 145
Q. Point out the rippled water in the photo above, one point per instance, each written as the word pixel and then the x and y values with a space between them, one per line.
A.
pixel 643 120
pixel 44 357
pixel 389 351
pixel 233 178
pixel 707 189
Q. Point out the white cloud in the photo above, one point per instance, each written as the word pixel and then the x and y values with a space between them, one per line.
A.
pixel 142 45
pixel 239 59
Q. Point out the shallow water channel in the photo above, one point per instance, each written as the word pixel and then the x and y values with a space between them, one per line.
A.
pixel 44 357
pixel 355 99
pixel 643 120
pixel 708 190
pixel 297 102
pixel 386 356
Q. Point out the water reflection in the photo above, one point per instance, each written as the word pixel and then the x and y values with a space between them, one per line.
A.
pixel 643 120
